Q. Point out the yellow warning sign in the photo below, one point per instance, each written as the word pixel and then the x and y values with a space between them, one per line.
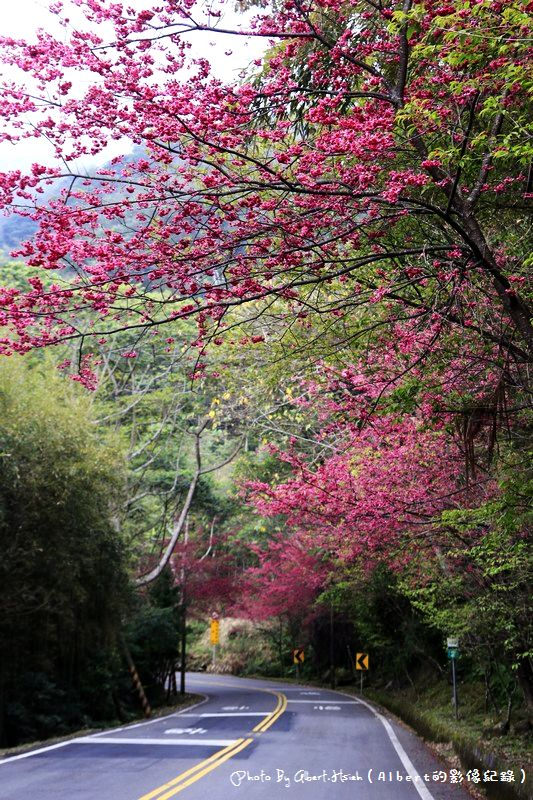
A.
pixel 361 661
pixel 298 656
pixel 215 626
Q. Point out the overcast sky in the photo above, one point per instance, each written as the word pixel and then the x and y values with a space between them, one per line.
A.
pixel 21 18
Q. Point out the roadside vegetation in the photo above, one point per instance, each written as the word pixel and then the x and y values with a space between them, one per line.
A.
pixel 273 364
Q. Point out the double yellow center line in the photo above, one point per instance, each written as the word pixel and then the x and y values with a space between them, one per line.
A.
pixel 274 715
pixel 193 774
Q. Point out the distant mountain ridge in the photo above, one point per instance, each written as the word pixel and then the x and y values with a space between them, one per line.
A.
pixel 14 229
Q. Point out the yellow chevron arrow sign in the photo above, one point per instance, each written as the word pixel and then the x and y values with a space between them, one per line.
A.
pixel 361 661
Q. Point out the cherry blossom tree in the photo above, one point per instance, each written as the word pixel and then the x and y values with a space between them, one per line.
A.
pixel 374 159
pixel 397 480
pixel 369 178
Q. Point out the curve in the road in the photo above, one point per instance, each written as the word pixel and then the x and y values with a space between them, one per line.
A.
pixel 193 774
pixel 229 745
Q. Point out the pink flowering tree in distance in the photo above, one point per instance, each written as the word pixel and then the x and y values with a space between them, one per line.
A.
pixel 386 486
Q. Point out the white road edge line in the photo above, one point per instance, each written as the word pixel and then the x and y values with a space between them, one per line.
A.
pixel 34 752
pixel 151 721
pixel 126 740
pixel 9 759
pixel 417 781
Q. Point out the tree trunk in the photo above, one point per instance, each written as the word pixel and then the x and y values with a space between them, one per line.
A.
pixel 525 681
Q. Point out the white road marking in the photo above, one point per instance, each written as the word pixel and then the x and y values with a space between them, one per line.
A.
pixel 159 720
pixel 124 740
pixel 417 781
pixel 49 747
pixel 34 752
pixel 228 714
pixel 327 708
pixel 343 702
pixel 190 731
pixel 156 719
pixel 237 714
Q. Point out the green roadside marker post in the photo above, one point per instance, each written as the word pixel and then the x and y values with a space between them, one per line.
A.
pixel 453 652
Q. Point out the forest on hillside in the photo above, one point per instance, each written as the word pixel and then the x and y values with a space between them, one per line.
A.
pixel 273 364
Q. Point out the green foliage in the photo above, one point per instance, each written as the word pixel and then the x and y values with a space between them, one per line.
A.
pixel 52 709
pixel 246 648
pixel 62 570
pixel 484 595
pixel 153 634
pixel 473 737
pixel 384 623
pixel 154 407
pixel 488 602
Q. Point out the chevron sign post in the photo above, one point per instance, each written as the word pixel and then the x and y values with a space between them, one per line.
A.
pixel 214 635
pixel 361 663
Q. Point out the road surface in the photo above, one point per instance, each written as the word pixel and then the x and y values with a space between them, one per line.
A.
pixel 248 740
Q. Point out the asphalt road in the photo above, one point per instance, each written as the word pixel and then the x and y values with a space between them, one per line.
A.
pixel 248 740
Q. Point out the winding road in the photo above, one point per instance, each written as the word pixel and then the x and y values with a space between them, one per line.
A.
pixel 248 740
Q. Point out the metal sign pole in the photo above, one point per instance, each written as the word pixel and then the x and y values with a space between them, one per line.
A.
pixel 332 681
pixel 452 643
pixel 455 701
